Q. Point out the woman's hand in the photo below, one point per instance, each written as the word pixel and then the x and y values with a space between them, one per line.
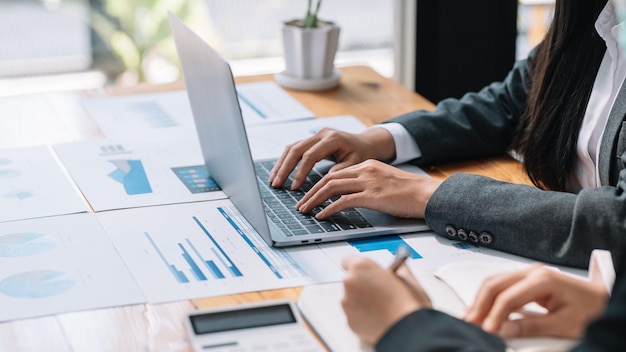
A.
pixel 373 185
pixel 344 148
pixel 571 303
pixel 375 298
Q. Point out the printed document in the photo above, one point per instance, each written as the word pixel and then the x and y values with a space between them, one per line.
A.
pixel 204 249
pixel 33 184
pixel 166 117
pixel 118 175
pixel 60 264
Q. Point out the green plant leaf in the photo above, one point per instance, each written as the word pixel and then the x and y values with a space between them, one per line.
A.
pixel 310 19
pixel 125 48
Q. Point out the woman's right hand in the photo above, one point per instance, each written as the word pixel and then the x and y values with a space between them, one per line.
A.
pixel 344 148
pixel 571 303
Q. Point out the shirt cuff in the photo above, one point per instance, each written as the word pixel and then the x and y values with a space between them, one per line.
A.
pixel 601 268
pixel 406 147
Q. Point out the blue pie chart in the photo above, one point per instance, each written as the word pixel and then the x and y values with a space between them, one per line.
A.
pixel 22 244
pixel 37 284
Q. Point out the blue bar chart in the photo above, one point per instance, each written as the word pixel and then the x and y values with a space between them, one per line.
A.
pixel 276 259
pixel 464 245
pixel 149 114
pixel 196 179
pixel 217 249
pixel 388 243
pixel 178 275
pixel 198 266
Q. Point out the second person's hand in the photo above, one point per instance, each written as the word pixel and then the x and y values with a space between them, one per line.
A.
pixel 341 147
pixel 571 303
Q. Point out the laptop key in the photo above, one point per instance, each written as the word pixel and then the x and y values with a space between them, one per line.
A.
pixel 301 216
pixel 314 229
pixel 329 226
pixel 343 222
pixel 300 232
pixel 363 225
pixel 290 221
pixel 281 212
pixel 294 227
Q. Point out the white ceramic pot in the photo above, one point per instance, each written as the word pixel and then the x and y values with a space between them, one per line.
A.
pixel 310 52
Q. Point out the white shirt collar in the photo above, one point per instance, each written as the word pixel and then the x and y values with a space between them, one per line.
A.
pixel 607 27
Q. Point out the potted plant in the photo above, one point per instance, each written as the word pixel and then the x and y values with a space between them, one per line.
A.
pixel 309 46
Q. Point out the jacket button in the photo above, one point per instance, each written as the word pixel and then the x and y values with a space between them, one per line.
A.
pixel 462 234
pixel 473 236
pixel 485 237
pixel 450 231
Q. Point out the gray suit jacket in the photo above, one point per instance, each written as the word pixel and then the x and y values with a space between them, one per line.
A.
pixel 556 227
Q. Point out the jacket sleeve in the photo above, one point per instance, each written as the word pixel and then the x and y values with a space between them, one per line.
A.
pixel 431 330
pixel 477 125
pixel 555 227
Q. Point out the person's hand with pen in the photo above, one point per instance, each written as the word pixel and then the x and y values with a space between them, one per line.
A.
pixel 375 297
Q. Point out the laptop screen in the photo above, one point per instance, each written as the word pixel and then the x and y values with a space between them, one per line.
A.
pixel 219 123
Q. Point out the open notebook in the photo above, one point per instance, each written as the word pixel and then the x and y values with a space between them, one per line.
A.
pixel 451 288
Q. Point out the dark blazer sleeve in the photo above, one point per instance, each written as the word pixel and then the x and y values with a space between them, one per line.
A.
pixel 554 227
pixel 477 125
pixel 431 330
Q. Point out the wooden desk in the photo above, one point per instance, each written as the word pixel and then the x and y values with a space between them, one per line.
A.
pixel 148 327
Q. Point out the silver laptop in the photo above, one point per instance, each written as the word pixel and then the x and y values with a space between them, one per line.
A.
pixel 224 144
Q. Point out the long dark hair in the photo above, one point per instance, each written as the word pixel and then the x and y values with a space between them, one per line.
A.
pixel 561 78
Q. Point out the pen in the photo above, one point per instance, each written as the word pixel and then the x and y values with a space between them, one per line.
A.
pixel 401 254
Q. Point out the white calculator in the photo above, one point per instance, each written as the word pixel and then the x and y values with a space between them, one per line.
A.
pixel 263 326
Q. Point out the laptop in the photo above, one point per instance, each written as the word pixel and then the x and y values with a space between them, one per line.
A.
pixel 224 144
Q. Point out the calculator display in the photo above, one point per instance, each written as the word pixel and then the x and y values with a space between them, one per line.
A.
pixel 242 319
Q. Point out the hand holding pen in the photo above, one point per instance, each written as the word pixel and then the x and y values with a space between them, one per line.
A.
pixel 376 297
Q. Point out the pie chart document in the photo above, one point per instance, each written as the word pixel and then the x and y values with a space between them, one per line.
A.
pixel 60 264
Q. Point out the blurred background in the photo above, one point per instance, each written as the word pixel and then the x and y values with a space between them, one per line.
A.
pixel 82 44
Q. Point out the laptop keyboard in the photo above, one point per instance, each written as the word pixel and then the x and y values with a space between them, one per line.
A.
pixel 280 207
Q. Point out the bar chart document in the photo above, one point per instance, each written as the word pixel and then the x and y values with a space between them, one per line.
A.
pixel 204 249
pixel 166 117
pixel 115 175
pixel 60 264
pixel 266 102
pixel 32 184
